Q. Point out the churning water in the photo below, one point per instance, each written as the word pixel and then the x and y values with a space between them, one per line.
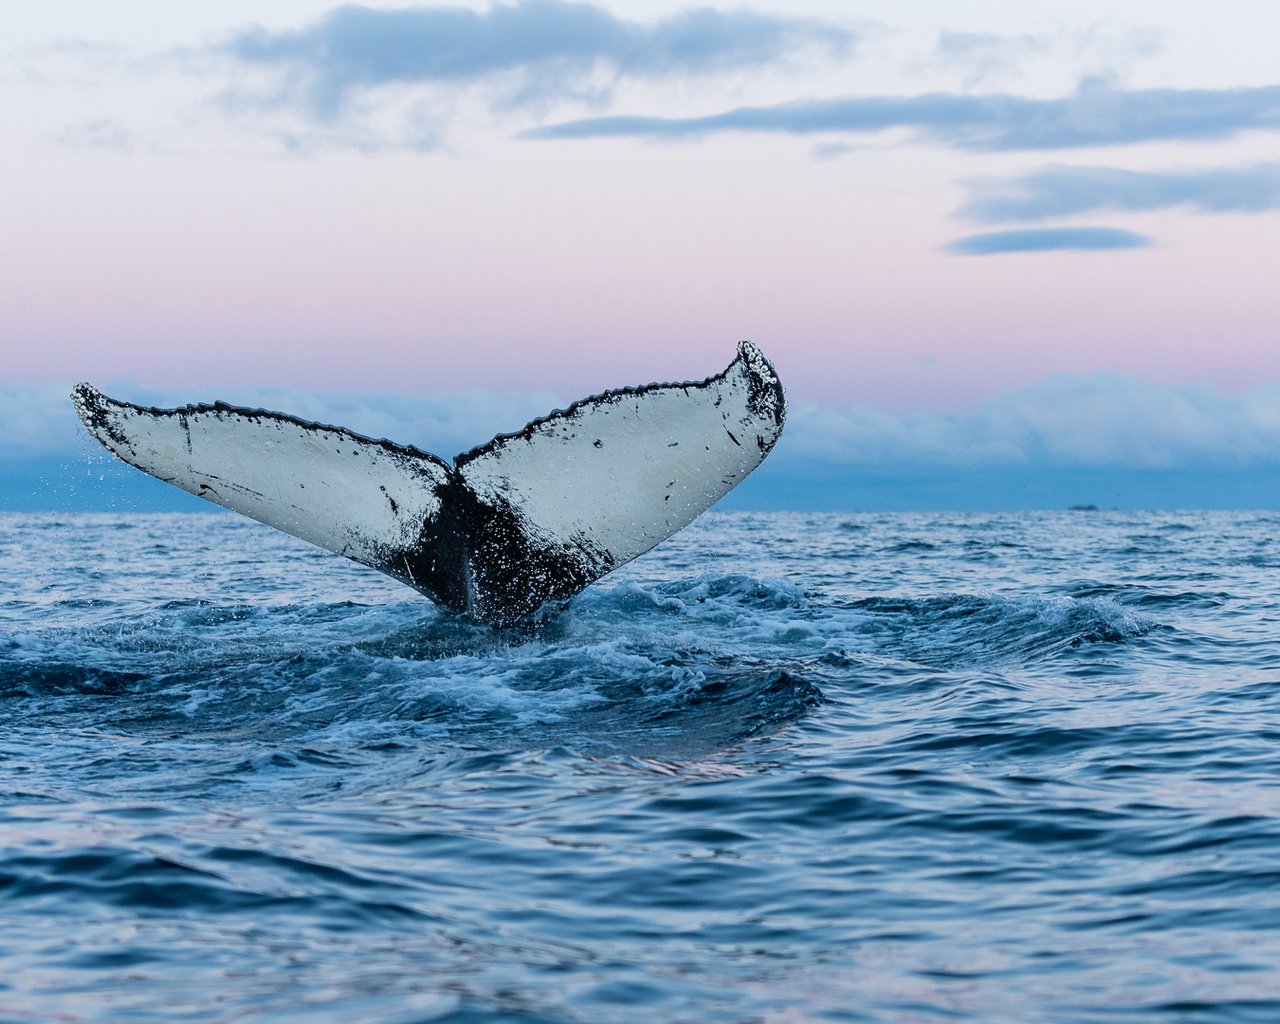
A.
pixel 792 767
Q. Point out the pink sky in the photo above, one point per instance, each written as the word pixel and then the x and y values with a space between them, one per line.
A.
pixel 166 236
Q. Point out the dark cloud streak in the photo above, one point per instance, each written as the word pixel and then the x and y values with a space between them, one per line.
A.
pixel 1069 191
pixel 1047 240
pixel 1095 115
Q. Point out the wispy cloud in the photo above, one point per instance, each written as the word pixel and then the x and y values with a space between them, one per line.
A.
pixel 98 134
pixel 1102 48
pixel 984 55
pixel 1070 191
pixel 550 45
pixel 1046 240
pixel 1096 114
pixel 84 63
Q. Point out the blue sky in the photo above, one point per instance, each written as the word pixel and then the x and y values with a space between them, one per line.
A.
pixel 1000 252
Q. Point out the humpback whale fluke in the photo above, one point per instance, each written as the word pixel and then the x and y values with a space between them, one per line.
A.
pixel 523 519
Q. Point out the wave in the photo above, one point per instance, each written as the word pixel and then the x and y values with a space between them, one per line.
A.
pixel 712 793
pixel 631 667
pixel 974 630
pixel 646 668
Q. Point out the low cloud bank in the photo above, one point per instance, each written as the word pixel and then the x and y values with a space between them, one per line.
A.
pixel 1060 429
pixel 1100 420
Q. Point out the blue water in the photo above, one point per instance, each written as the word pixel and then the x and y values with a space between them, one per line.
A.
pixel 787 767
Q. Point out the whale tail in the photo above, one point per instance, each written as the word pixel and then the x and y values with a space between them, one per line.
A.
pixel 523 519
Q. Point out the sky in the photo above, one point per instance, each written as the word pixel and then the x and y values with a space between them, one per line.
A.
pixel 1004 254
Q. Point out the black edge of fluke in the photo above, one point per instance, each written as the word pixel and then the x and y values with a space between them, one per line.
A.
pixel 766 396
pixel 92 405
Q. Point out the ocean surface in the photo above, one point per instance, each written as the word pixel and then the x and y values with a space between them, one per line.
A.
pixel 784 768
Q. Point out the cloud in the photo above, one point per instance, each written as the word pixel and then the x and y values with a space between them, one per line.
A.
pixel 1099 420
pixel 1102 437
pixel 1068 191
pixel 1098 49
pixel 986 54
pixel 552 44
pixel 831 150
pixel 1066 421
pixel 83 63
pixel 1046 240
pixel 36 421
pixel 106 135
pixel 1095 115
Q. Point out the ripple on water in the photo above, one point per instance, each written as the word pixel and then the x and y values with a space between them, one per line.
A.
pixel 927 767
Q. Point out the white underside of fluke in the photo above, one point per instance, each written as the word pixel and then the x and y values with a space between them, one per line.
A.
pixel 626 470
pixel 323 484
pixel 524 518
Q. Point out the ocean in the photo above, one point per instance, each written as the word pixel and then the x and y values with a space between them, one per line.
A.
pixel 786 767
